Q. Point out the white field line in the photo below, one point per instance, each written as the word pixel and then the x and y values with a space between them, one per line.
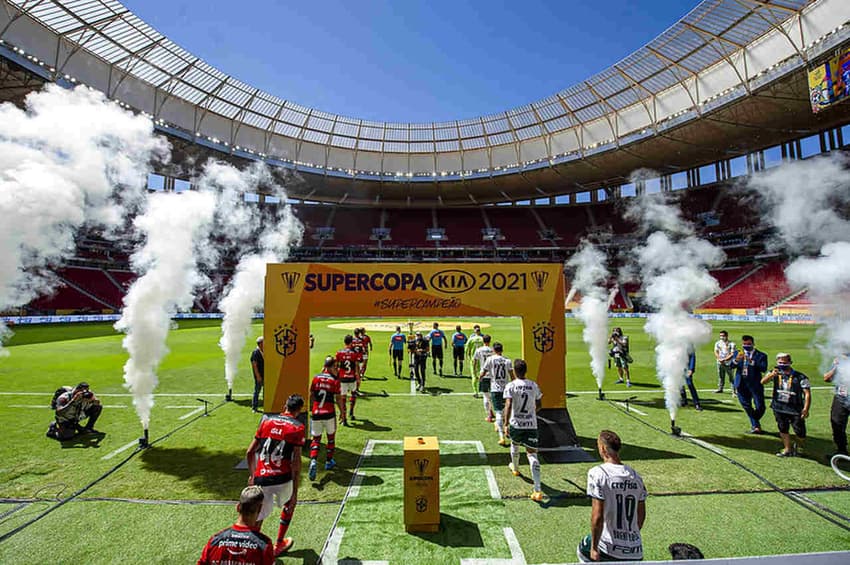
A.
pixel 121 449
pixel 517 556
pixel 705 444
pixel 629 407
pixel 332 553
pixel 412 387
pixel 127 394
pixel 187 415
pixel 49 408
pixel 630 391
pixel 491 484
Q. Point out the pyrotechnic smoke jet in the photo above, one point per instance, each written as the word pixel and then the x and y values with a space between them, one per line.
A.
pixel 245 292
pixel 70 158
pixel 590 278
pixel 174 227
pixel 808 203
pixel 674 271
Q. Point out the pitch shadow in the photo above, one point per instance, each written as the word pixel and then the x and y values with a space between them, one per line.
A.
pixel 369 425
pixel 84 441
pixel 635 452
pixel 208 471
pixel 307 556
pixel 454 532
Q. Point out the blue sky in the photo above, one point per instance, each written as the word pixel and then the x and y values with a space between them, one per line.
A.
pixel 411 61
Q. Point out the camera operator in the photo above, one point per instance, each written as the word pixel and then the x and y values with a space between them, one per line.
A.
pixel 620 352
pixel 72 407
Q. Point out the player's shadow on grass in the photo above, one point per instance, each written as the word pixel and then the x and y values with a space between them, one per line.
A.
pixel 453 376
pixel 436 390
pixel 710 404
pixel 815 449
pixel 365 378
pixel 208 471
pixel 308 556
pixel 454 532
pixel 369 426
pixel 635 452
pixel 84 441
pixel 343 473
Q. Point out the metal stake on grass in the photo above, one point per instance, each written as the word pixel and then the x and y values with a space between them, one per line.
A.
pixel 674 429
pixel 206 405
pixel 144 441
pixel 229 396
pixel 601 395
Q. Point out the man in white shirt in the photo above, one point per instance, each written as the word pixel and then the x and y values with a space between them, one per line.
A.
pixel 500 370
pixel 724 352
pixel 618 509
pixel 479 358
pixel 522 401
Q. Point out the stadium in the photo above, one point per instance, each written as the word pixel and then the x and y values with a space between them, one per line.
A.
pixel 705 173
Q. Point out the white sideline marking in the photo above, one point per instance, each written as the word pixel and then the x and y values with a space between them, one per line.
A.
pixel 491 484
pixel 412 387
pixel 49 408
pixel 217 394
pixel 332 553
pixel 127 394
pixel 629 407
pixel 121 449
pixel 705 444
pixel 517 556
pixel 197 410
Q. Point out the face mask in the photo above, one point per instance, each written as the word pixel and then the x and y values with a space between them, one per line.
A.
pixel 783 366
pixel 748 348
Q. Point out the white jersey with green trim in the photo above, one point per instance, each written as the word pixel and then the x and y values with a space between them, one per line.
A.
pixel 621 489
pixel 524 394
pixel 498 368
pixel 482 354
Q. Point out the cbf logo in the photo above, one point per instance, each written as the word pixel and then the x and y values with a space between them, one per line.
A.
pixel 421 504
pixel 544 337
pixel 285 340
pixel 421 465
pixel 290 279
pixel 539 278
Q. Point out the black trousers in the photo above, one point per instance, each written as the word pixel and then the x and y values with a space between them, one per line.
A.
pixel 419 364
pixel 838 418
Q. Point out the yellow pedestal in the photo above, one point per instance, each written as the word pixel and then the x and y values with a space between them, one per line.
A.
pixel 421 484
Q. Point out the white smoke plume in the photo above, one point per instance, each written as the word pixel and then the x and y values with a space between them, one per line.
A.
pixel 807 202
pixel 591 276
pixel 245 292
pixel 70 158
pixel 674 269
pixel 173 226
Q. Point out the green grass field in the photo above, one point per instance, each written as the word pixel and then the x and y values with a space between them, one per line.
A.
pixel 162 504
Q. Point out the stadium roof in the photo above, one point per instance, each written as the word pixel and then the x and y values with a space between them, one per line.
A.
pixel 721 50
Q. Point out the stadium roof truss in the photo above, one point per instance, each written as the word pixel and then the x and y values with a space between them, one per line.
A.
pixel 721 49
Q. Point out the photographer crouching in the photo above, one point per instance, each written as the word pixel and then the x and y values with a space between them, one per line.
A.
pixel 71 408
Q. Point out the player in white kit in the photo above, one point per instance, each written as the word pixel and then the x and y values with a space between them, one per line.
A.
pixel 500 370
pixel 522 400
pixel 480 357
pixel 618 510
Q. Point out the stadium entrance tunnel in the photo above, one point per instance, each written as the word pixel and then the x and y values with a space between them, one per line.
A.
pixel 297 292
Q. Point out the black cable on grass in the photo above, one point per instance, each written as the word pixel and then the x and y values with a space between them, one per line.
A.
pixel 74 495
pixel 761 478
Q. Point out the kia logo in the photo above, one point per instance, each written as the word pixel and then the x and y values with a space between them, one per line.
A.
pixel 453 281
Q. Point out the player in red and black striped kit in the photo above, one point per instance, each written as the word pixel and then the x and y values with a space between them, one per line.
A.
pixel 274 463
pixel 366 342
pixel 359 347
pixel 325 395
pixel 348 370
pixel 242 542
